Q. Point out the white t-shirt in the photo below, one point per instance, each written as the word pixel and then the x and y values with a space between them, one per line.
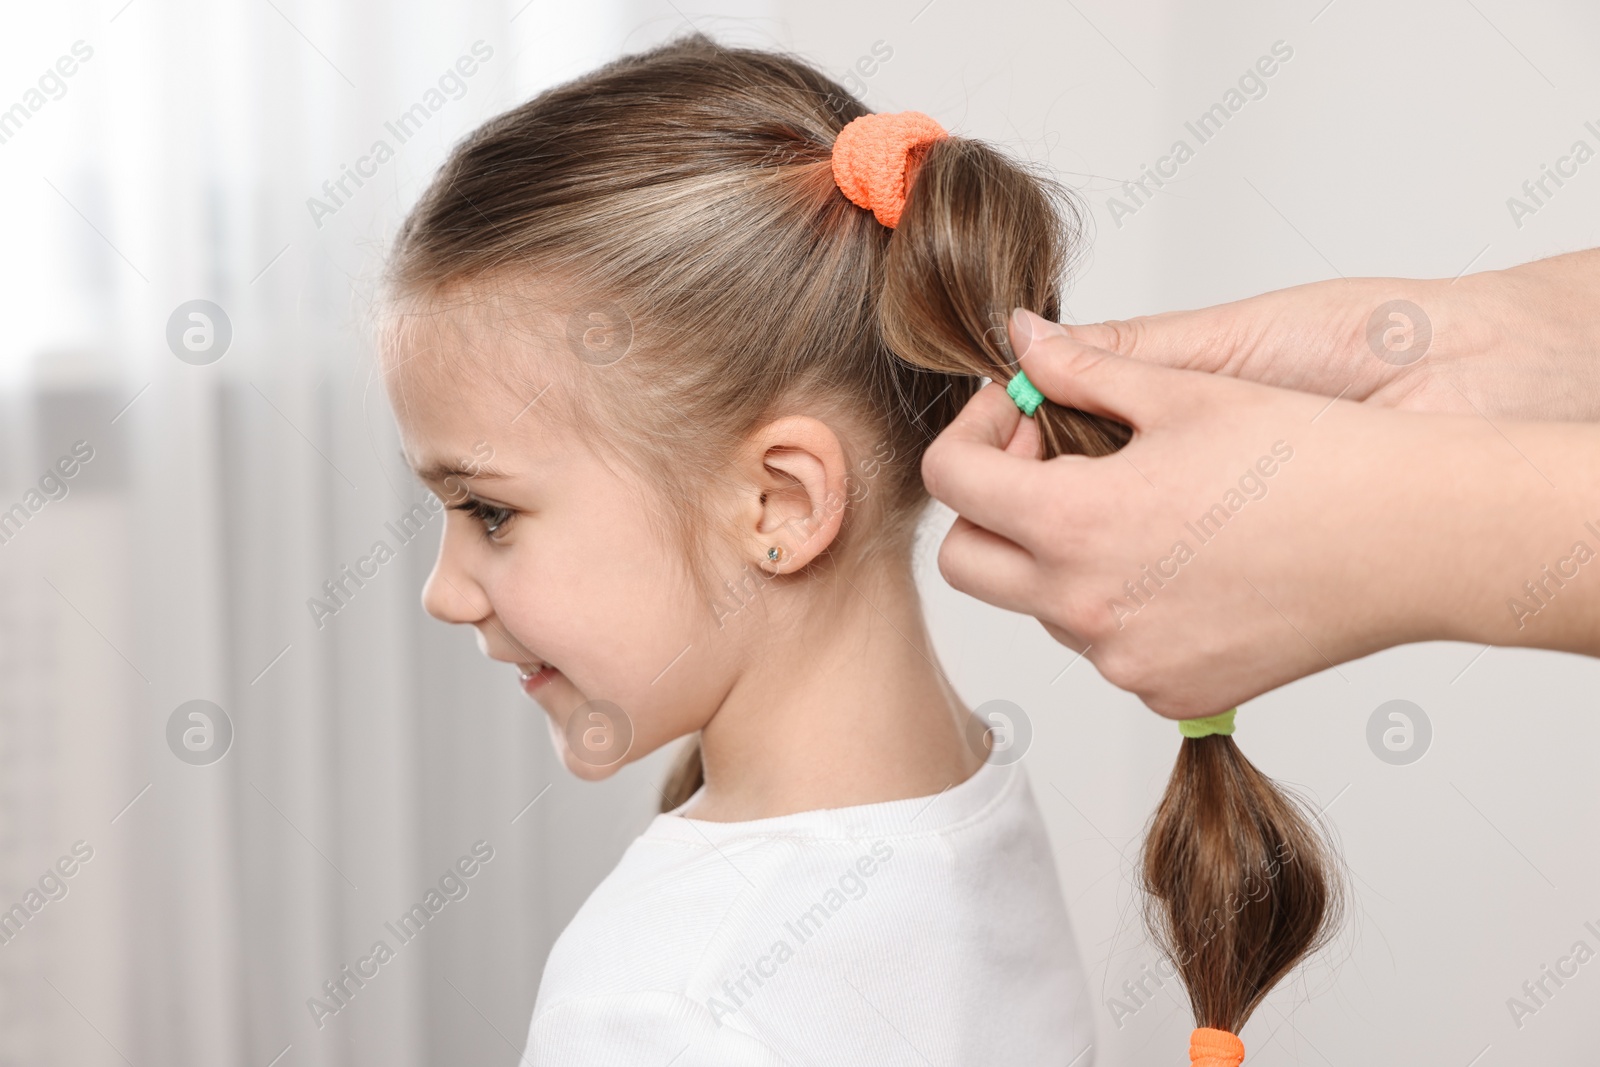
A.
pixel 923 931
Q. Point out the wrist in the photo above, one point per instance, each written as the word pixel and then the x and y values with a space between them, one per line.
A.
pixel 1523 517
pixel 1375 484
pixel 1531 336
pixel 1443 522
pixel 1434 519
pixel 1558 293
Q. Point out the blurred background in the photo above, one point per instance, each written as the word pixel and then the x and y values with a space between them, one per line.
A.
pixel 187 267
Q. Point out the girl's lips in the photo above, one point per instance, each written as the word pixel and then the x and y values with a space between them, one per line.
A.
pixel 533 680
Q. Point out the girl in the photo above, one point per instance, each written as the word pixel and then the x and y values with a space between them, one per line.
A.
pixel 670 340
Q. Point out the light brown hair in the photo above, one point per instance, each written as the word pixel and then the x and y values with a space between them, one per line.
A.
pixel 690 186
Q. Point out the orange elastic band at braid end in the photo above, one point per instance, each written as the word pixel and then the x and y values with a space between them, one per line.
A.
pixel 1215 1048
pixel 870 156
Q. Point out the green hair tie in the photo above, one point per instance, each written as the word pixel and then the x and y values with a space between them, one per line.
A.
pixel 1026 396
pixel 1211 724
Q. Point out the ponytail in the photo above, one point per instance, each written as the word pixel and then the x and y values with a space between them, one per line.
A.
pixel 1239 883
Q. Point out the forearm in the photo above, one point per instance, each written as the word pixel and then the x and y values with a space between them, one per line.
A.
pixel 1515 514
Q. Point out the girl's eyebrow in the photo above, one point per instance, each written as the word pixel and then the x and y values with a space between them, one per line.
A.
pixel 441 471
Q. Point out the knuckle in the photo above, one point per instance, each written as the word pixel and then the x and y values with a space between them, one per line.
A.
pixel 1121 667
pixel 1163 706
pixel 1111 667
pixel 1172 706
pixel 1078 616
pixel 1065 359
pixel 1124 335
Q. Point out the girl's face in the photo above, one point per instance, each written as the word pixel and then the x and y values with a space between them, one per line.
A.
pixel 549 554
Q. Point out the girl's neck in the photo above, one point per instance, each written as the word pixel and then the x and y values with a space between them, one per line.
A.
pixel 851 709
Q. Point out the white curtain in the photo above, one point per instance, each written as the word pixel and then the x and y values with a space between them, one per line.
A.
pixel 372 750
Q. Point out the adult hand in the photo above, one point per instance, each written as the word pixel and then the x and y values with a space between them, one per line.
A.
pixel 1522 343
pixel 1248 535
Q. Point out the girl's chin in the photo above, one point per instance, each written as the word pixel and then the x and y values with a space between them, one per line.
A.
pixel 594 738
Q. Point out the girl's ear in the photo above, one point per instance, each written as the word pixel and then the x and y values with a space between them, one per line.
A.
pixel 794 473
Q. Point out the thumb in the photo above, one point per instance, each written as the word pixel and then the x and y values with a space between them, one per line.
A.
pixel 1079 375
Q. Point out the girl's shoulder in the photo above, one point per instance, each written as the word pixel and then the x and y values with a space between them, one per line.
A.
pixel 691 900
pixel 758 926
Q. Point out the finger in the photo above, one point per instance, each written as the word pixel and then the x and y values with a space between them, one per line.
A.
pixel 1092 379
pixel 985 565
pixel 1025 441
pixel 1205 339
pixel 968 467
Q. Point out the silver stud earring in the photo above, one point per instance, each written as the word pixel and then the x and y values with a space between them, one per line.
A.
pixel 774 553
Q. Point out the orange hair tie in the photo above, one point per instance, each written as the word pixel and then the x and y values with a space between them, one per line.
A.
pixel 870 158
pixel 1215 1048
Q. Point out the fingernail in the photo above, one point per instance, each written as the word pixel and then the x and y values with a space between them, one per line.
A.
pixel 1021 331
pixel 1026 325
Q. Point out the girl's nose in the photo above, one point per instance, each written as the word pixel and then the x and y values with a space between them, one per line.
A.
pixel 451 594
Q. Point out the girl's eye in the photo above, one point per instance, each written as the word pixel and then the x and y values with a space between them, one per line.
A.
pixel 490 518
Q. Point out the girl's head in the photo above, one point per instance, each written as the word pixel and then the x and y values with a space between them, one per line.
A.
pixel 643 297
